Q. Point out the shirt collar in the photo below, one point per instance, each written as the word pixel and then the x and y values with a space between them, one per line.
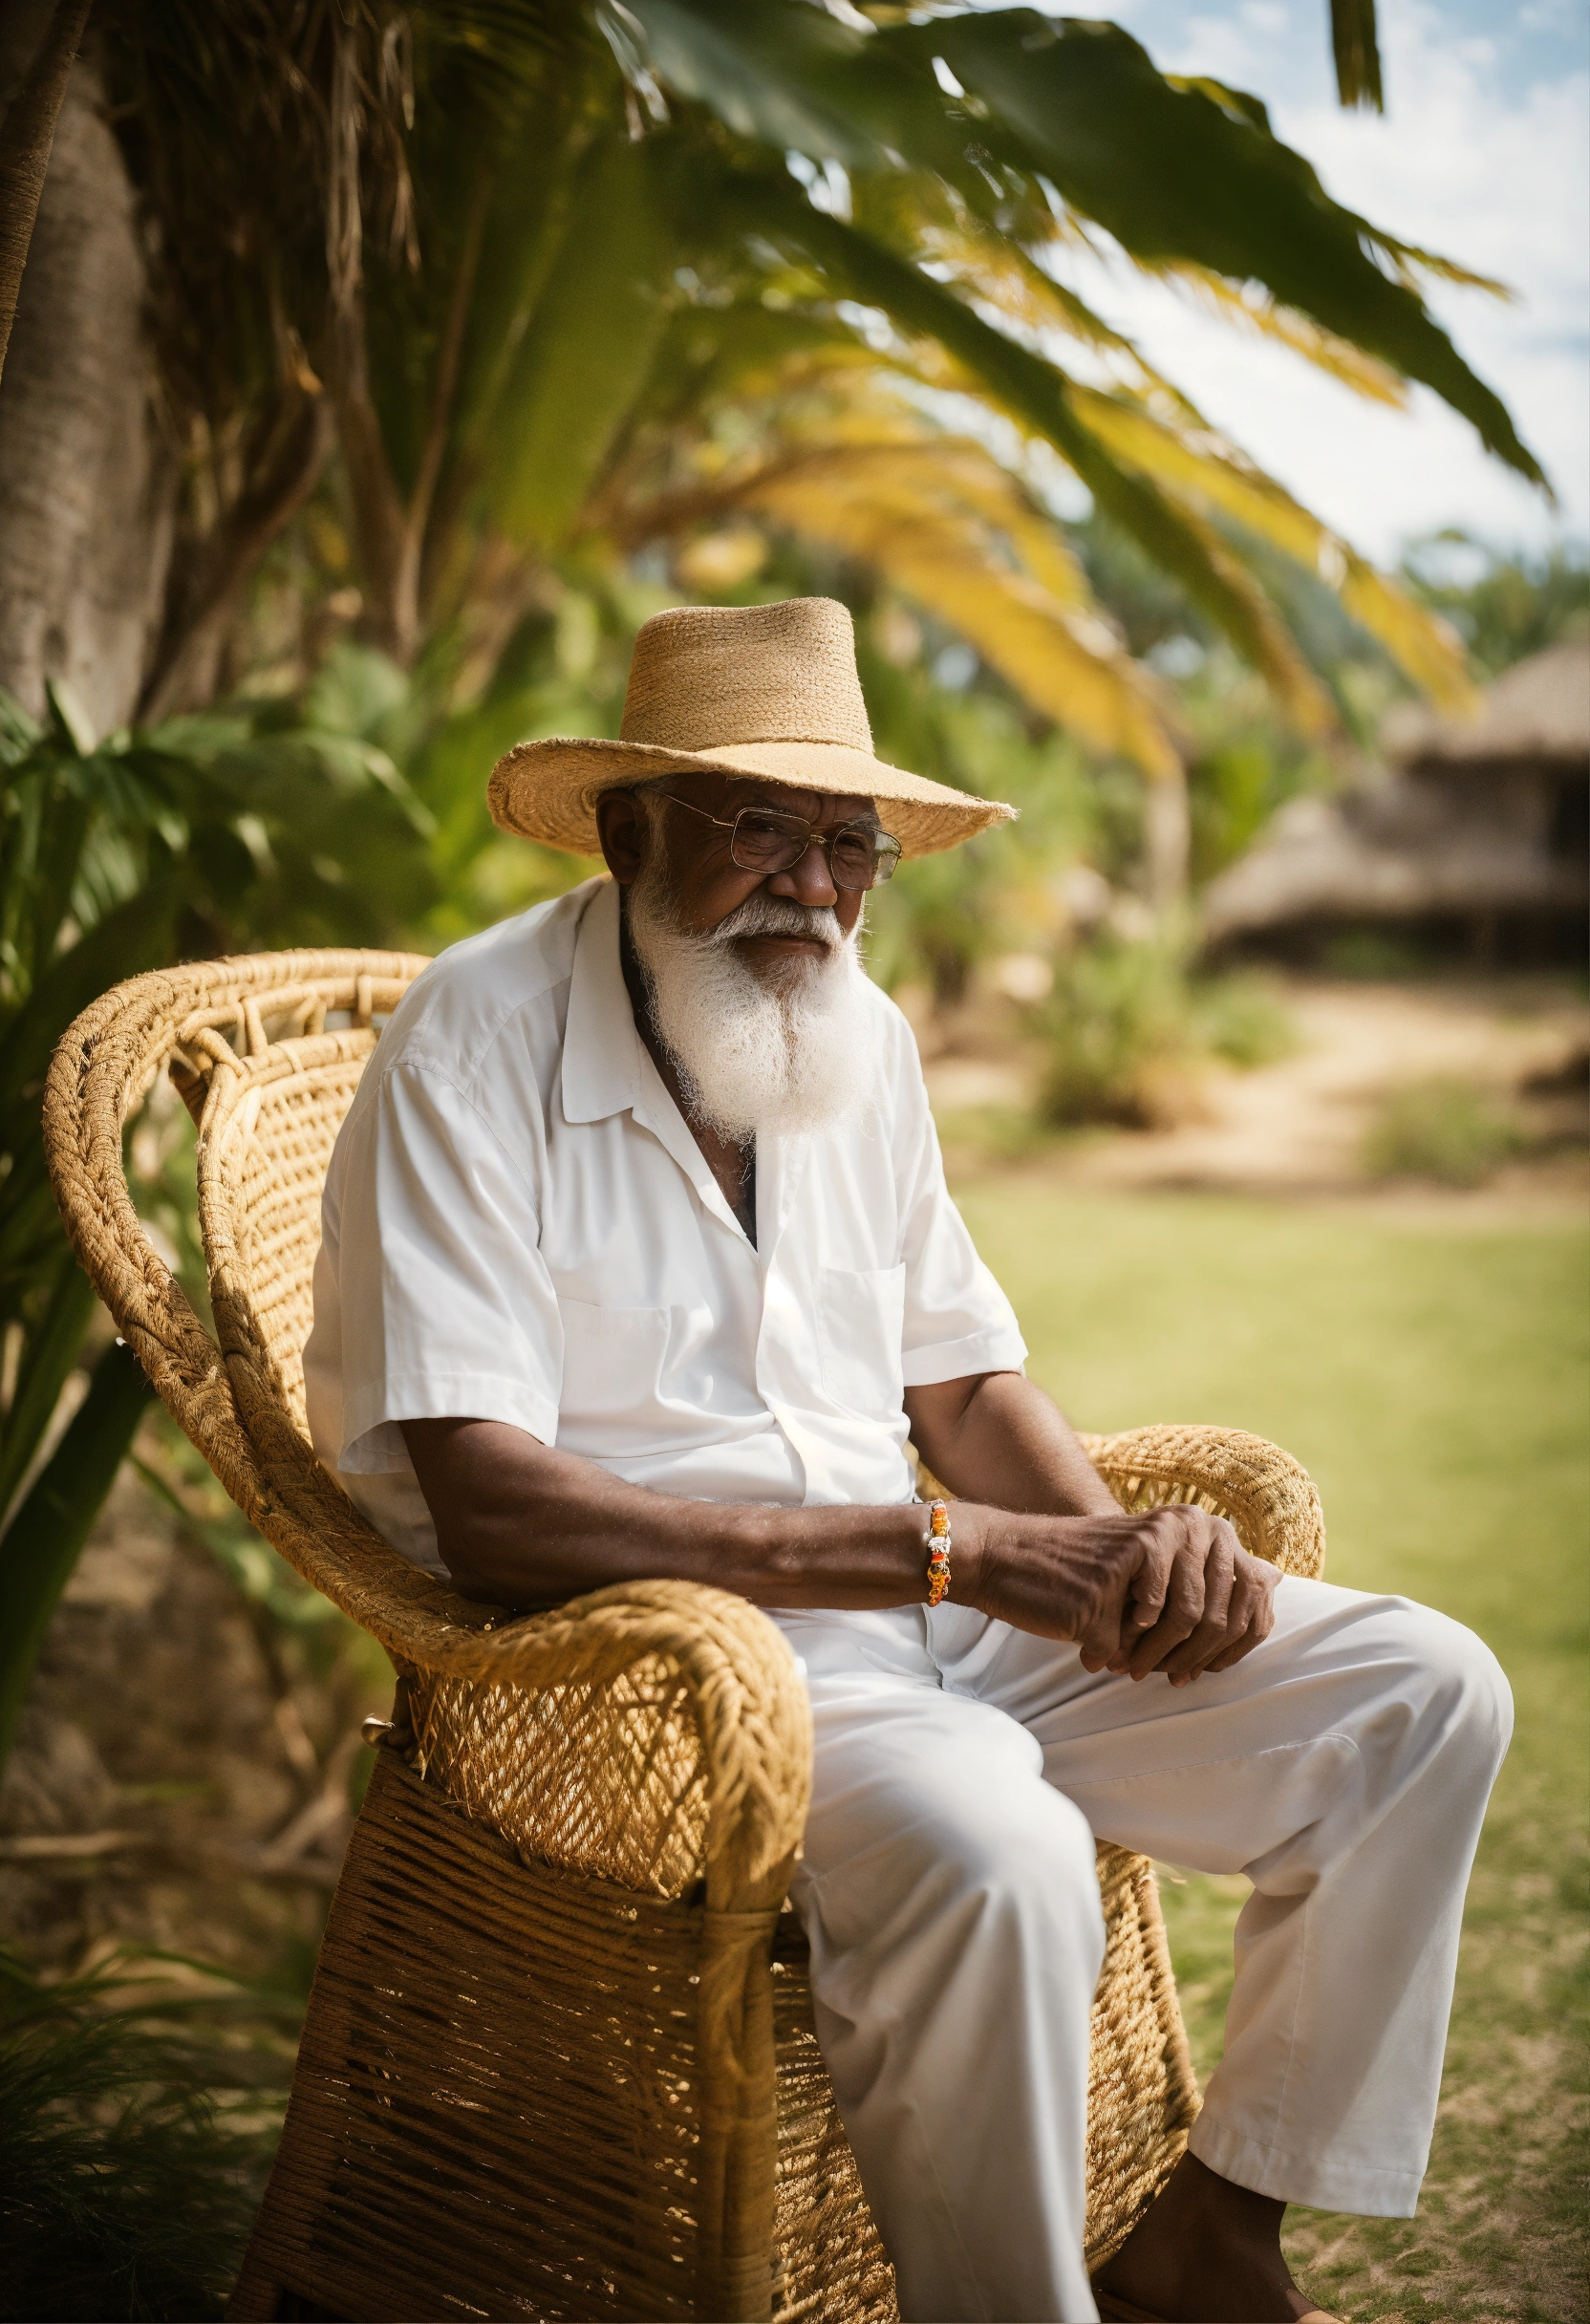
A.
pixel 601 1048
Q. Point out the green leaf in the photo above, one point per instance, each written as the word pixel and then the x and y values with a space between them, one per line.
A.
pixel 44 1540
pixel 1038 394
pixel 135 936
pixel 50 1351
pixel 1178 172
pixel 587 347
pixel 1195 464
pixel 30 1239
pixel 793 77
pixel 1357 53
pixel 1173 174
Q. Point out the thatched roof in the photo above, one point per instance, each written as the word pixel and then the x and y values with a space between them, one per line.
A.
pixel 1540 709
pixel 1393 854
pixel 1416 840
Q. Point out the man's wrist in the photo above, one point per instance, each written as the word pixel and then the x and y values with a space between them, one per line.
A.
pixel 969 1532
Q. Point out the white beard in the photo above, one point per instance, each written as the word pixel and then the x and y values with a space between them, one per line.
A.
pixel 780 1056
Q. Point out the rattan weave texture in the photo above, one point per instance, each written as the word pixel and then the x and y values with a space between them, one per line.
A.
pixel 559 2057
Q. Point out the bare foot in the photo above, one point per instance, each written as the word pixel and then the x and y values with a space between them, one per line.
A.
pixel 1207 2252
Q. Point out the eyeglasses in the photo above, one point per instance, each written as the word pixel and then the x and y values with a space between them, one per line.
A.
pixel 765 839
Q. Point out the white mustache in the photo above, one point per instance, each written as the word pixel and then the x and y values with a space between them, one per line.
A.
pixel 778 915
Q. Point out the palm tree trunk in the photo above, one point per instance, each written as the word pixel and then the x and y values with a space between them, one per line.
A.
pixel 25 137
pixel 87 477
pixel 1166 839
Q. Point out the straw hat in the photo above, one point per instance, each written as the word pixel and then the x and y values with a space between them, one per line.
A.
pixel 764 690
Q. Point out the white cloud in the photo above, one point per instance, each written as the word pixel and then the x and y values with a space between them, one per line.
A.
pixel 1498 183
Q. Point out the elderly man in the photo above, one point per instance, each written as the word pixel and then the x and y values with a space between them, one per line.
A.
pixel 639 1261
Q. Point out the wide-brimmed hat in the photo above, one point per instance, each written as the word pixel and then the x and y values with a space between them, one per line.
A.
pixel 765 690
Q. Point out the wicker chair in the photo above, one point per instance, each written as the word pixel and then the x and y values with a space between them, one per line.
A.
pixel 559 2057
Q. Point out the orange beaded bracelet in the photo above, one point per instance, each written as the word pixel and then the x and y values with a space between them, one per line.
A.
pixel 938 1553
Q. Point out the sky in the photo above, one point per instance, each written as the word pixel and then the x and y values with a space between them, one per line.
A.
pixel 1483 156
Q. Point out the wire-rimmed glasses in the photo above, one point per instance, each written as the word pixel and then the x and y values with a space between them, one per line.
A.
pixel 766 840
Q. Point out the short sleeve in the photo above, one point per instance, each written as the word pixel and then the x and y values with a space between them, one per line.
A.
pixel 434 1291
pixel 957 1321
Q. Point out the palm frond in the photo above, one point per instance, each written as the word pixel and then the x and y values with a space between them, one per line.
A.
pixel 1237 305
pixel 949 527
pixel 1173 173
pixel 1040 397
pixel 1357 51
pixel 1205 470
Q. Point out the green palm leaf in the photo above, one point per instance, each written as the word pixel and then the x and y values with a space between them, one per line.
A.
pixel 587 346
pixel 1188 173
pixel 1038 394
pixel 1173 174
pixel 1200 466
pixel 1357 53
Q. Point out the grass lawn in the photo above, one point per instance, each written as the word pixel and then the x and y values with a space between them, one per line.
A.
pixel 1430 1372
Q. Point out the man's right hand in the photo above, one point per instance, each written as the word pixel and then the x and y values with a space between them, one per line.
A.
pixel 1168 1590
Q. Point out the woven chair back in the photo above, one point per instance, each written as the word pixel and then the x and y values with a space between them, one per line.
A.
pixel 268 1122
pixel 261 1172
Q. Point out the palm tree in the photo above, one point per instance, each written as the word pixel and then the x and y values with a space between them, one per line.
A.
pixel 491 249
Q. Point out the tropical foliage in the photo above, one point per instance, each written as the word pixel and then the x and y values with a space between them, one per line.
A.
pixel 472 314
pixel 126 2190
pixel 1503 606
pixel 559 280
pixel 205 834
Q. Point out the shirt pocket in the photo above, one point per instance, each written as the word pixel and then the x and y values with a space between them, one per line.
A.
pixel 861 1314
pixel 612 1404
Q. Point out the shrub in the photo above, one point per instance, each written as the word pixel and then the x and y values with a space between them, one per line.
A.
pixel 1243 1019
pixel 1128 1028
pixel 1118 1016
pixel 124 2191
pixel 1445 1129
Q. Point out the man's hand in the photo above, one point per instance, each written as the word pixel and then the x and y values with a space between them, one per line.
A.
pixel 1168 1590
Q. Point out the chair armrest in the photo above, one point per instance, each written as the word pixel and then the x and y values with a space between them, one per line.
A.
pixel 656 1734
pixel 1270 1499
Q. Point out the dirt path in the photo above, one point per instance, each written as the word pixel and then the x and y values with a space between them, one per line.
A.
pixel 1297 1127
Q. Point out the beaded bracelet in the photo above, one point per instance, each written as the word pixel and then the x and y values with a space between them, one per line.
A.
pixel 938 1553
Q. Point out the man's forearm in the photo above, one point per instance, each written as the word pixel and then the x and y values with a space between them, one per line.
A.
pixel 996 1437
pixel 522 1524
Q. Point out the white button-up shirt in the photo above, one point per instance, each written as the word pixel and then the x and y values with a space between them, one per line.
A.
pixel 518 1225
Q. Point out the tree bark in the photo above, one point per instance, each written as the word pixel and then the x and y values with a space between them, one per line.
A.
pixel 87 481
pixel 25 137
pixel 1166 839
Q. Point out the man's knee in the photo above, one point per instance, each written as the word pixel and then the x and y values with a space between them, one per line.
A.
pixel 1457 1679
pixel 1026 1865
pixel 1476 1686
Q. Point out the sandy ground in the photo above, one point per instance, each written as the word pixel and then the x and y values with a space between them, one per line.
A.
pixel 1297 1127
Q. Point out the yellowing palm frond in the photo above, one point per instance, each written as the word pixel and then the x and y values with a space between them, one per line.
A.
pixel 1266 317
pixel 951 529
pixel 1201 467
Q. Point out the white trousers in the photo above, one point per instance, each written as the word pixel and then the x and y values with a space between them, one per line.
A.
pixel 947 1887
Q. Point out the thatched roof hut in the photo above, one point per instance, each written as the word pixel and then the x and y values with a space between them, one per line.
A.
pixel 1537 714
pixel 1478 824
